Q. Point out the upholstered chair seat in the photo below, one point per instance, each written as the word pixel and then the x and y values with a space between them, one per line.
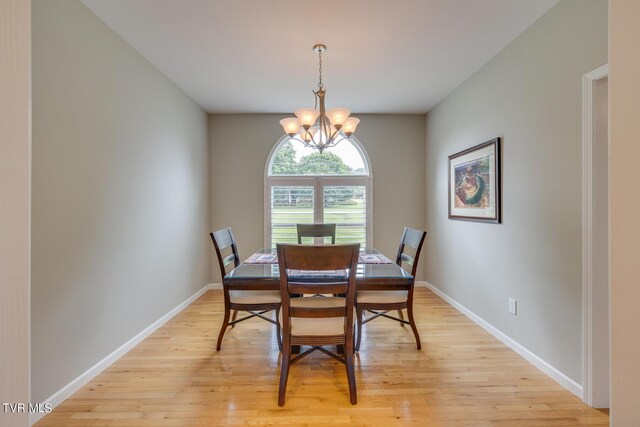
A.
pixel 309 326
pixel 389 297
pixel 254 297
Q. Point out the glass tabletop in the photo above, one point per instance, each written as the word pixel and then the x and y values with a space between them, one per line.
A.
pixel 368 272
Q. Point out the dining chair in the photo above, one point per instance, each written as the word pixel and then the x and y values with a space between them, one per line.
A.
pixel 379 303
pixel 316 230
pixel 256 302
pixel 317 321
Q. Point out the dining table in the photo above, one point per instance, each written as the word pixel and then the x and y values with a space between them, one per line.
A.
pixel 374 272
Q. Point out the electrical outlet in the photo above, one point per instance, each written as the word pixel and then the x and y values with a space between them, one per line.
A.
pixel 513 306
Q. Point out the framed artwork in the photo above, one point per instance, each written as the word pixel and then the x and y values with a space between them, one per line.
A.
pixel 474 183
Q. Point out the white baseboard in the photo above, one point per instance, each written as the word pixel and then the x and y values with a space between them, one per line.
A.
pixel 215 285
pixel 536 361
pixel 75 385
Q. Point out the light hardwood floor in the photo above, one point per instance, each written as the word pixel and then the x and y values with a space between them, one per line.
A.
pixel 461 377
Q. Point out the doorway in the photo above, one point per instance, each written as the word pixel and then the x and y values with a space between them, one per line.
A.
pixel 595 277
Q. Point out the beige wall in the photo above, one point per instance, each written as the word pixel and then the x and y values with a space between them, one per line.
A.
pixel 240 145
pixel 624 97
pixel 120 194
pixel 529 94
pixel 15 205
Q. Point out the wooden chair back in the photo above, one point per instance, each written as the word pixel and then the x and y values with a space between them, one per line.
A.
pixel 226 250
pixel 294 260
pixel 409 249
pixel 316 230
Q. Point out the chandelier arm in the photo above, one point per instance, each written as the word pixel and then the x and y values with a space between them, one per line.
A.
pixel 331 143
pixel 326 128
pixel 330 137
pixel 336 141
pixel 334 136
pixel 295 138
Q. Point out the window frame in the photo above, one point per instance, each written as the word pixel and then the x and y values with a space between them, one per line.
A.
pixel 318 182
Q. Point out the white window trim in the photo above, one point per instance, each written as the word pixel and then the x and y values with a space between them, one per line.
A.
pixel 318 182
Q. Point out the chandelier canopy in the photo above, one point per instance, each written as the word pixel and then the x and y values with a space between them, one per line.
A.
pixel 319 128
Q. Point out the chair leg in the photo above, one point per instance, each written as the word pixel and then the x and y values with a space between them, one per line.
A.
pixel 233 319
pixel 359 313
pixel 278 330
pixel 412 322
pixel 351 376
pixel 284 372
pixel 401 316
pixel 225 323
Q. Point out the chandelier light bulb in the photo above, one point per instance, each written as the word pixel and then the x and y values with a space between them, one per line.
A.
pixel 306 116
pixel 337 116
pixel 290 125
pixel 350 125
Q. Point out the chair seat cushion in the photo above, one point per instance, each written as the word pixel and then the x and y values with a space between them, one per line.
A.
pixel 382 297
pixel 304 326
pixel 254 297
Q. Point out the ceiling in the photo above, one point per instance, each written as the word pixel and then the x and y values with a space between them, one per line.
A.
pixel 384 56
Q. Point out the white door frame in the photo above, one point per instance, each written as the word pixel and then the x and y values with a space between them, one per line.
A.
pixel 589 341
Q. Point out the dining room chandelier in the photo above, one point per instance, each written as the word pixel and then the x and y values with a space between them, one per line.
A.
pixel 317 127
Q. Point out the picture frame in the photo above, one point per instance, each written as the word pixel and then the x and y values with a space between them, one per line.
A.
pixel 475 183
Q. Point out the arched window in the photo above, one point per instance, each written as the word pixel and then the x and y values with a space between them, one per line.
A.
pixel 303 185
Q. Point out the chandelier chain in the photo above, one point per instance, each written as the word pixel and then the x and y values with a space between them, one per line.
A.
pixel 320 85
